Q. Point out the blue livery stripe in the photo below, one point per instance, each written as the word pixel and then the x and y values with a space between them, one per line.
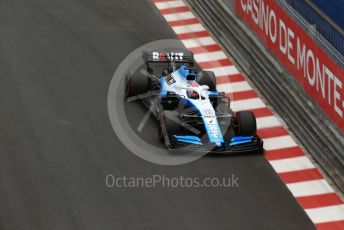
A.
pixel 237 140
pixel 188 137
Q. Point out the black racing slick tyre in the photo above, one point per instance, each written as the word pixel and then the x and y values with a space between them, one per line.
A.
pixel 169 121
pixel 207 78
pixel 136 84
pixel 247 125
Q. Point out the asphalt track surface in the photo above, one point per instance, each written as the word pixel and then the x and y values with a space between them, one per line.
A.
pixel 57 59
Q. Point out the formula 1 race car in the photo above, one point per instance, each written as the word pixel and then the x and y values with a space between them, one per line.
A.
pixel 190 111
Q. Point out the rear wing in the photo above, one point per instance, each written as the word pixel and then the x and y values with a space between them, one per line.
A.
pixel 168 57
pixel 160 60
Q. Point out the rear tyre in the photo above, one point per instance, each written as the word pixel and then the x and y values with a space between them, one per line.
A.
pixel 136 85
pixel 247 125
pixel 208 78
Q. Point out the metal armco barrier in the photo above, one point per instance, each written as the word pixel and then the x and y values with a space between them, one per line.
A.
pixel 305 119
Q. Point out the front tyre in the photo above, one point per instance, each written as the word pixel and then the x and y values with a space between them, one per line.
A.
pixel 247 125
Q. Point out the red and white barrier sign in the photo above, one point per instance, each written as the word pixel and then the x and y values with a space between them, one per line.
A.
pixel 320 76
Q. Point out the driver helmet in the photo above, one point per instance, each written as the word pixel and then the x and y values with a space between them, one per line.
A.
pixel 192 94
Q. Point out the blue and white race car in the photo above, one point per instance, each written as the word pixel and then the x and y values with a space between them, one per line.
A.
pixel 190 111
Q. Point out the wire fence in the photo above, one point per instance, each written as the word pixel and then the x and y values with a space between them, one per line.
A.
pixel 311 29
pixel 323 24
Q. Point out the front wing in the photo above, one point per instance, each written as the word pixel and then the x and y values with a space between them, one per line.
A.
pixel 254 146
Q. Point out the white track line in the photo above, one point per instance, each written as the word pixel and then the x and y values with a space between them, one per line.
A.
pixel 224 70
pixel 210 56
pixel 310 188
pixel 326 214
pixel 234 87
pixel 279 143
pixel 267 122
pixel 291 164
pixel 188 28
pixel 178 16
pixel 247 104
pixel 198 42
pixel 169 4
